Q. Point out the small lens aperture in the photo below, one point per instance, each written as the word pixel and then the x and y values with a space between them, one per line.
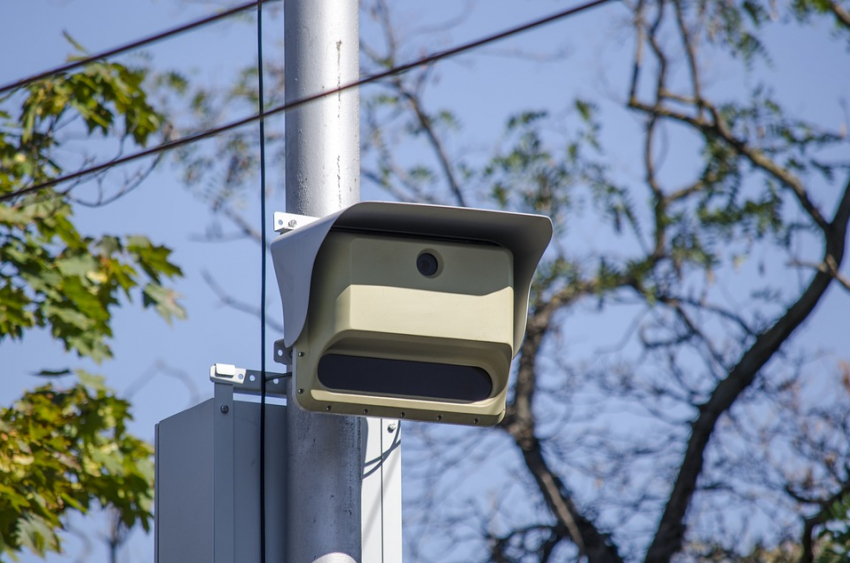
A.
pixel 427 264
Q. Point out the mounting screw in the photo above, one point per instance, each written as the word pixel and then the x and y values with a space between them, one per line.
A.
pixel 300 354
pixel 224 409
pixel 292 223
pixel 300 391
pixel 391 427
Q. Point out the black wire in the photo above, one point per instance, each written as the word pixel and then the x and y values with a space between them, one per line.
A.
pixel 130 46
pixel 262 284
pixel 297 103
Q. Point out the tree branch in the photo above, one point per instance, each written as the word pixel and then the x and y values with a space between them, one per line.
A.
pixel 427 126
pixel 840 13
pixel 670 533
pixel 520 423
pixel 230 301
pixel 827 268
pixel 821 517
pixel 718 128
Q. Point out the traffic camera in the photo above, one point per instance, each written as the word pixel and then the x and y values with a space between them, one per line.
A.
pixel 405 310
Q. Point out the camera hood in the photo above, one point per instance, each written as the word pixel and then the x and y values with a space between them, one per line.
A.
pixel 294 252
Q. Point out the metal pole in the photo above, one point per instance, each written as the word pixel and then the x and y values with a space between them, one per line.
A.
pixel 322 175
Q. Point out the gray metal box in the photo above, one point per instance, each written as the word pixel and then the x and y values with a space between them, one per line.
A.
pixel 207 503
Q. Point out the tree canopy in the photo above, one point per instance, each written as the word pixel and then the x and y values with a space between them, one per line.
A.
pixel 703 430
pixel 65 446
pixel 663 406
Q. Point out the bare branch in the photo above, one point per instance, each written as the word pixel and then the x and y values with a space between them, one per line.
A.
pixel 427 125
pixel 825 267
pixel 821 517
pixel 130 184
pixel 718 128
pixel 229 301
pixel 690 52
pixel 520 423
pixel 160 367
pixel 669 536
pixel 841 15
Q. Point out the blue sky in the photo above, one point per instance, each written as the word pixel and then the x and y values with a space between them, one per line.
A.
pixel 31 35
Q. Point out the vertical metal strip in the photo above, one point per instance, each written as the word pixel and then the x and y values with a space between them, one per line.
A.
pixel 224 476
pixel 156 481
pixel 391 490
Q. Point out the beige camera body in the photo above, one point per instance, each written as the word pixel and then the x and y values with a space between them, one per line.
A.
pixel 407 311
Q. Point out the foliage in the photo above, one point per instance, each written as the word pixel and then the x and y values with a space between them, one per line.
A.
pixel 51 275
pixel 61 450
pixel 65 449
pixel 54 277
pixel 662 407
pixel 834 537
pixel 696 428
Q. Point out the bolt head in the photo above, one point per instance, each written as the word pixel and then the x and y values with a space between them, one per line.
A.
pixel 224 409
pixel 391 427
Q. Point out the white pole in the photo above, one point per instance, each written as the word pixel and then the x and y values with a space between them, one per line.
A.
pixel 322 176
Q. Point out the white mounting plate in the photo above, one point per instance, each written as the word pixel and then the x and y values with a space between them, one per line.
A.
pixel 285 222
pixel 227 373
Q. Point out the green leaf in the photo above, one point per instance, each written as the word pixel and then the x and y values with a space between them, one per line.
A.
pixel 152 258
pixel 73 42
pixel 52 373
pixel 71 450
pixel 79 265
pixel 164 300
pixel 35 534
pixel 90 380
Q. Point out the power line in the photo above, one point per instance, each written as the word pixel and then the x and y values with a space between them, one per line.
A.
pixel 130 46
pixel 170 145
pixel 263 257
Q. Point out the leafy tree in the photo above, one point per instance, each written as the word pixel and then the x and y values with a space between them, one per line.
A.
pixel 833 539
pixel 698 432
pixel 65 447
pixel 705 431
pixel 62 450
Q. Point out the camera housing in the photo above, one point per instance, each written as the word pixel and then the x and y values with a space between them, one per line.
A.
pixel 407 311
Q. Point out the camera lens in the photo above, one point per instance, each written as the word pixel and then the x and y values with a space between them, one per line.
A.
pixel 427 264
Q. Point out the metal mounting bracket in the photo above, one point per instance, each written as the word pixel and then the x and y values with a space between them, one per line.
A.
pixel 282 354
pixel 285 222
pixel 248 380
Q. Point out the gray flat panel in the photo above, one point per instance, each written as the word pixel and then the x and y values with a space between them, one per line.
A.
pixel 197 508
pixel 184 486
pixel 247 466
pixel 276 454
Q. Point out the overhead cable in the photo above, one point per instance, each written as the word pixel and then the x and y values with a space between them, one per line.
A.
pixel 130 46
pixel 170 145
pixel 263 259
